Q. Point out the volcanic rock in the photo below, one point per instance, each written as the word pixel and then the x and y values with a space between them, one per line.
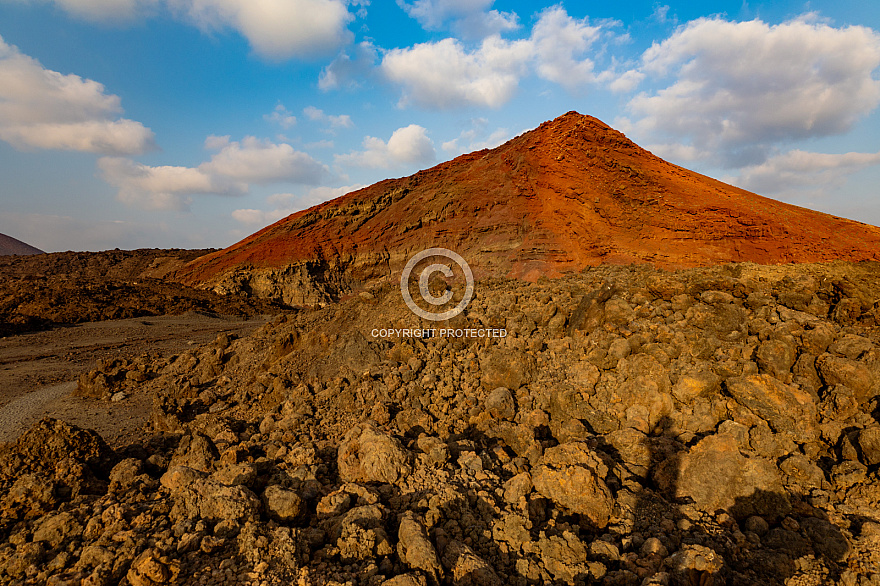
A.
pixel 366 455
pixel 52 446
pixel 44 290
pixel 571 476
pixel 415 549
pixel 785 408
pixel 717 476
pixel 647 451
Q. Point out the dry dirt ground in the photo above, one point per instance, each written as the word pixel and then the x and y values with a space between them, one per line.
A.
pixel 39 370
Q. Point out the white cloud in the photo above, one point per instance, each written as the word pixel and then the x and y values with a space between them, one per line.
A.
pixel 216 143
pixel 739 87
pixel 230 171
pixel 40 108
pixel 558 41
pixel 624 82
pixel 260 161
pixel 445 74
pixel 345 71
pixel 409 145
pixel 281 116
pixel 285 204
pixel 318 115
pixel 661 15
pixel 792 172
pixel 277 29
pixel 470 19
pixel 164 187
pixel 675 152
pixel 252 217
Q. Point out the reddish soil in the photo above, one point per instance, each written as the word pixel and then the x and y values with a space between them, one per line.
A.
pixel 571 193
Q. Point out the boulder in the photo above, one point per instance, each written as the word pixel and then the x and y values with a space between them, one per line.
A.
pixel 500 404
pixel 503 368
pixel 282 504
pixel 835 370
pixel 56 528
pixel 467 568
pixel 717 476
pixel 786 408
pixel 695 564
pixel 695 384
pixel 564 556
pixel 571 475
pixel 196 451
pixel 869 442
pixel 367 455
pixel 218 502
pixel 776 357
pixel 414 548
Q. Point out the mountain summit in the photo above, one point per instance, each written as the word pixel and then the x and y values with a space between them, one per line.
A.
pixel 571 193
pixel 12 246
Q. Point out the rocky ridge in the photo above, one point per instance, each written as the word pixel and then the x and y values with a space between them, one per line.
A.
pixel 571 193
pixel 710 426
pixel 43 291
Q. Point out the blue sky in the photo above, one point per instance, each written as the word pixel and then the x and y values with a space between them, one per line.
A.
pixel 193 123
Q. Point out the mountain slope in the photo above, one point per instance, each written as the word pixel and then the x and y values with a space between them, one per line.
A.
pixel 571 193
pixel 9 246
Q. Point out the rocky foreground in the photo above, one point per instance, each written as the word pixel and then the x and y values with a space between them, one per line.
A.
pixel 710 426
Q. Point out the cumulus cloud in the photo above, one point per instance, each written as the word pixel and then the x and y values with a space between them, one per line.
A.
pixel 740 87
pixel 230 171
pixel 281 116
pixel 622 82
pixel 284 204
pixel 445 74
pixel 40 108
pixel 163 187
pixel 791 172
pixel 409 145
pixel 559 41
pixel 335 121
pixel 260 161
pixel 470 19
pixel 277 29
pixel 349 67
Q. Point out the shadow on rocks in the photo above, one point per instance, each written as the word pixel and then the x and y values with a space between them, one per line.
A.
pixel 766 537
